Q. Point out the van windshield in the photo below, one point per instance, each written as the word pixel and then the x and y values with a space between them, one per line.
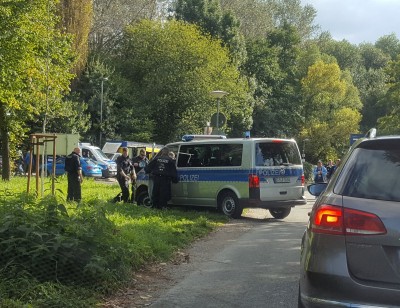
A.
pixel 277 154
pixel 101 154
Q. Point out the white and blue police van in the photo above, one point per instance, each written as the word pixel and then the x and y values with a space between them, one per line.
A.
pixel 232 174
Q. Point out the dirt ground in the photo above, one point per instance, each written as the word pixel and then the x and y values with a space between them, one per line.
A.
pixel 149 283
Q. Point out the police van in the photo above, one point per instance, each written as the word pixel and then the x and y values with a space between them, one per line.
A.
pixel 234 173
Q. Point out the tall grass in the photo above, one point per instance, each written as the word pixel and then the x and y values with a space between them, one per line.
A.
pixel 59 254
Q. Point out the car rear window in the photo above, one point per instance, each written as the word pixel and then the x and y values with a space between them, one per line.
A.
pixel 373 171
pixel 277 154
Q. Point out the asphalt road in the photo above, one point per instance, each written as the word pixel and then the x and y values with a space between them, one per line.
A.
pixel 250 262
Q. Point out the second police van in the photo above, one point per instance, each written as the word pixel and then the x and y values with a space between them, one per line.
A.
pixel 234 173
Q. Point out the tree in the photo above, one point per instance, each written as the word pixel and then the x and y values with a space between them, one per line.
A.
pixel 76 19
pixel 330 101
pixel 259 17
pixel 171 69
pixel 254 16
pixel 35 61
pixel 326 88
pixel 291 12
pixel 272 64
pixel 207 14
pixel 389 123
pixel 389 44
pixel 110 19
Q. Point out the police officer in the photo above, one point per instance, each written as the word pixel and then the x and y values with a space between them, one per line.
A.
pixel 140 161
pixel 74 175
pixel 125 173
pixel 163 170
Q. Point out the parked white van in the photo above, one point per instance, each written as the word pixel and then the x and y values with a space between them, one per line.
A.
pixel 108 167
pixel 233 174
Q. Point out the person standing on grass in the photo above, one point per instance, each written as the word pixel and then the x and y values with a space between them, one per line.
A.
pixel 163 171
pixel 74 174
pixel 125 173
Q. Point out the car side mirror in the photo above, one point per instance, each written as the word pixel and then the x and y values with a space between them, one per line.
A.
pixel 317 188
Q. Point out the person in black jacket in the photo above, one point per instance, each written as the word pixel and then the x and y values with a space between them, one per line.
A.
pixel 163 171
pixel 125 173
pixel 74 175
pixel 140 161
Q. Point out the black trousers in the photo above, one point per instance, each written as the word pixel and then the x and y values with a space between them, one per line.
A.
pixel 74 188
pixel 124 184
pixel 161 193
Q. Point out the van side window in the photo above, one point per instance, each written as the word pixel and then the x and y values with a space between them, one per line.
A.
pixel 210 155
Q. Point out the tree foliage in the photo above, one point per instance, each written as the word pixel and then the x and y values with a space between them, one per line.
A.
pixel 272 63
pixel 172 68
pixel 76 19
pixel 35 61
pixel 389 122
pixel 207 14
pixel 330 110
pixel 110 19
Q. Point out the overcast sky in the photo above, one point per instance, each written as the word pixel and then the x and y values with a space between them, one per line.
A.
pixel 357 20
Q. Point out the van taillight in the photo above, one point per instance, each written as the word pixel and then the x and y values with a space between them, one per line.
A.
pixel 303 180
pixel 254 181
pixel 334 220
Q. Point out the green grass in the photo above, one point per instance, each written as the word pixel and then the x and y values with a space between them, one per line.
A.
pixel 59 254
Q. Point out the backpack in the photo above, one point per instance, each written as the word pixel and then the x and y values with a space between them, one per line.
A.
pixel 68 163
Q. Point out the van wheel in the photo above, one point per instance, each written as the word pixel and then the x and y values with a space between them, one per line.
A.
pixel 143 199
pixel 229 204
pixel 280 213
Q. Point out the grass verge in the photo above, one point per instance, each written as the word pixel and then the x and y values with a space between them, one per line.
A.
pixel 59 254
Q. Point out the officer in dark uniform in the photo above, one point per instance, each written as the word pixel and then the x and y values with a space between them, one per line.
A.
pixel 74 174
pixel 125 173
pixel 163 170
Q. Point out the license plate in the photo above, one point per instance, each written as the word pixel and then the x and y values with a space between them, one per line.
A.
pixel 282 180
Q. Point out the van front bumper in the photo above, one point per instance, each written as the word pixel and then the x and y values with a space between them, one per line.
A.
pixel 108 174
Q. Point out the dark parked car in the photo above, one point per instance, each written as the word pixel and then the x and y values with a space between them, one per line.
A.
pixel 350 252
pixel 89 167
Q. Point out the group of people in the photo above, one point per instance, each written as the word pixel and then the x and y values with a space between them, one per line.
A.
pixel 127 170
pixel 323 173
pixel 161 170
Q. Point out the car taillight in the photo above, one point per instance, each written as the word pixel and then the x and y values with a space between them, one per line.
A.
pixel 254 181
pixel 89 167
pixel 303 180
pixel 334 220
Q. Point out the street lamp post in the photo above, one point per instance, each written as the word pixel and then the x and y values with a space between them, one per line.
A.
pixel 101 107
pixel 218 94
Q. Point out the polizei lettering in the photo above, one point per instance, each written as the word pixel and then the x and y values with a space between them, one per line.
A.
pixel 189 178
pixel 270 172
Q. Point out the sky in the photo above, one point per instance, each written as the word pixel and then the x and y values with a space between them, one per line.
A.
pixel 357 21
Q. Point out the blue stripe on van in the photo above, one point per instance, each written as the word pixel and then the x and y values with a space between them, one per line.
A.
pixel 229 175
pixel 213 175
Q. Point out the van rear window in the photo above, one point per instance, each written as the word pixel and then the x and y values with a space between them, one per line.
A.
pixel 277 154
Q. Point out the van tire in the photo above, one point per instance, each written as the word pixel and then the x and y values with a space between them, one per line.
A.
pixel 229 205
pixel 280 213
pixel 143 199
